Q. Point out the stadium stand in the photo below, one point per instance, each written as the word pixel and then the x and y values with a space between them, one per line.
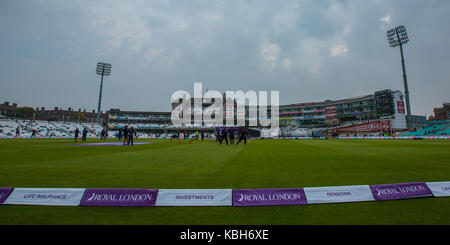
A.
pixel 431 130
pixel 46 128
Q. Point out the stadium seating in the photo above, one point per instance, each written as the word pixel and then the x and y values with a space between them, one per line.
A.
pixel 445 131
pixel 67 129
pixel 432 130
pixel 46 128
pixel 150 126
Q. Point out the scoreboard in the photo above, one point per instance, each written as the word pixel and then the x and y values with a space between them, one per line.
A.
pixel 384 103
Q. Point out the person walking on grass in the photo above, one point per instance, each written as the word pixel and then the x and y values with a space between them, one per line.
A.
pixel 125 135
pixel 224 135
pixel 218 136
pixel 243 136
pixel 231 135
pixel 102 134
pixel 77 132
pixel 17 132
pixel 85 132
pixel 131 134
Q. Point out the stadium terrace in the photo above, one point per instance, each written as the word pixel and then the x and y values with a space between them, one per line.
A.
pixel 379 114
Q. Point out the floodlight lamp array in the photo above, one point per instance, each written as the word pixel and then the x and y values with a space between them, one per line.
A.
pixel 397 36
pixel 103 69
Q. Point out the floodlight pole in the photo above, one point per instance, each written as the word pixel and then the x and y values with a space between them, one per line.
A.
pixel 100 96
pixel 405 83
pixel 103 69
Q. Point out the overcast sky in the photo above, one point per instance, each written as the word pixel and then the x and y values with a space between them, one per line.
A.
pixel 307 50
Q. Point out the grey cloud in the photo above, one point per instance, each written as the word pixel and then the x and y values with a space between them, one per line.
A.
pixel 50 48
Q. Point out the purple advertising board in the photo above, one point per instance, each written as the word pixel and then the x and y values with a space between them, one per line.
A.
pixel 267 197
pixel 4 193
pixel 119 197
pixel 400 191
pixel 113 143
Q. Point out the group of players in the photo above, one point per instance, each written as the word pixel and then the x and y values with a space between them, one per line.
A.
pixel 229 134
pixel 127 134
pixel 84 136
pixel 222 134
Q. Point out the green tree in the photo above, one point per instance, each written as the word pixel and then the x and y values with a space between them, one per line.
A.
pixel 26 112
pixel 82 117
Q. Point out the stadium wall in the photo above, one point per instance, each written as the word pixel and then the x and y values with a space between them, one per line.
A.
pixel 221 197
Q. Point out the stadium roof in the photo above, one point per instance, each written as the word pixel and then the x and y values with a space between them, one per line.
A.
pixel 137 112
pixel 334 101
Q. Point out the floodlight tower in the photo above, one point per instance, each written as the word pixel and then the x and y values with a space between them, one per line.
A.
pixel 103 69
pixel 398 37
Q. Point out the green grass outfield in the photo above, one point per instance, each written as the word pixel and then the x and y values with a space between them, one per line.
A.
pixel 50 163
